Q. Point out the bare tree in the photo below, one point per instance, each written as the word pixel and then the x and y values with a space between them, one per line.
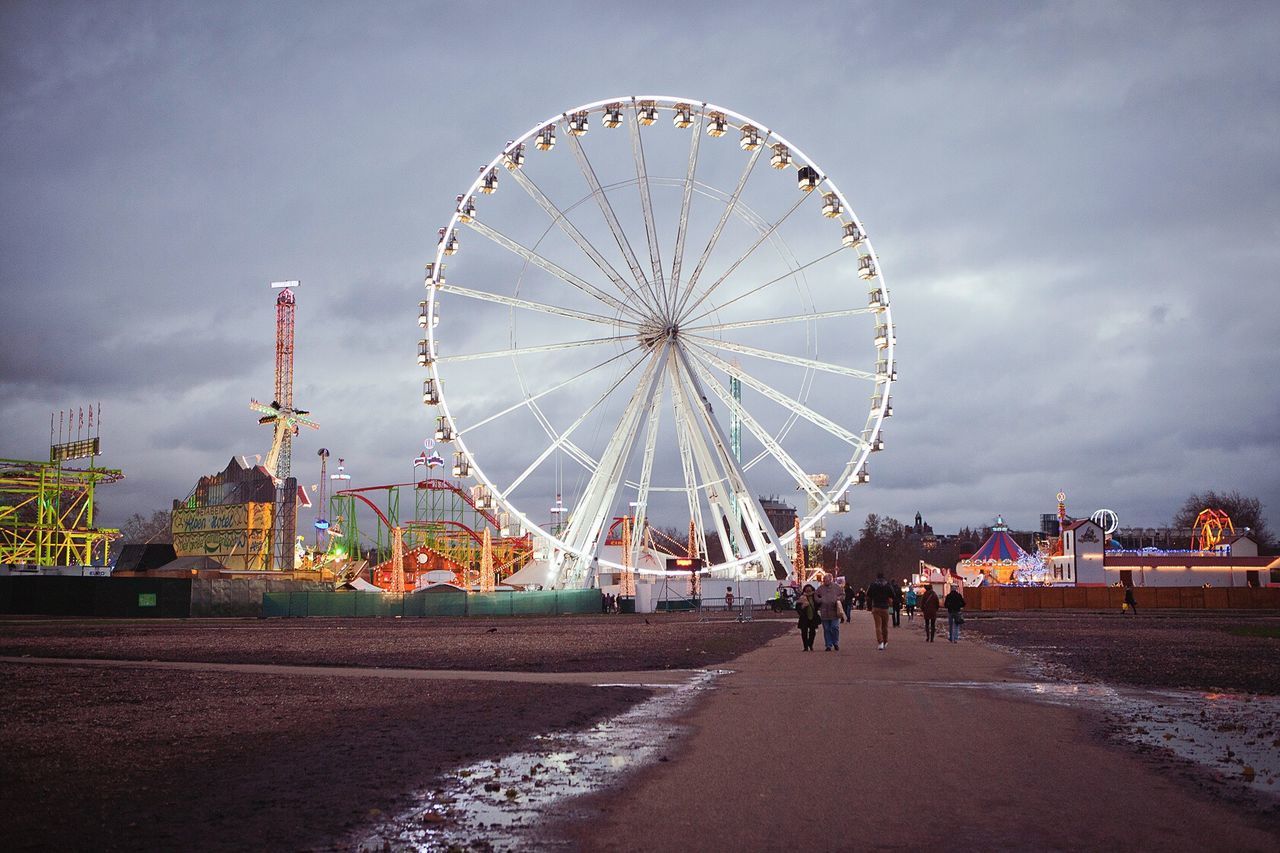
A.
pixel 140 530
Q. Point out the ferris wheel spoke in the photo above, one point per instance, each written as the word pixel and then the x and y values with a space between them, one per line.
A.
pixel 771 445
pixel 799 361
pixel 774 321
pixel 677 260
pixel 529 305
pixel 562 221
pixel 611 218
pixel 528 400
pixel 781 399
pixel 763 236
pixel 768 283
pixel 515 351
pixel 563 437
pixel 550 266
pixel 646 204
pixel 715 233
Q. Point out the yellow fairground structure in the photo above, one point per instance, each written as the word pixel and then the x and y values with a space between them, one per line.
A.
pixel 46 513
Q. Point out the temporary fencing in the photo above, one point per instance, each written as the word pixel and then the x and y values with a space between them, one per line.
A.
pixel 446 603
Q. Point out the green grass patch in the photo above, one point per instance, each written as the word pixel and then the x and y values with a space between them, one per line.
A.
pixel 1271 631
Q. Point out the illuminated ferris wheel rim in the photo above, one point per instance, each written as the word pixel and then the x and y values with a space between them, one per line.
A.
pixel 767 137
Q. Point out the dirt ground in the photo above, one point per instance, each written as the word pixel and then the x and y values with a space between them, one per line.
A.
pixel 555 644
pixel 125 758
pixel 1149 650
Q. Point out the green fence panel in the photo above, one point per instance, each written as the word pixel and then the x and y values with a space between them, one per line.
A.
pixel 443 603
pixel 438 603
pixel 578 601
pixel 536 603
pixel 490 604
pixel 376 604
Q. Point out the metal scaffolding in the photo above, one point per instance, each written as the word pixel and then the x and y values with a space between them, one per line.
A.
pixel 46 514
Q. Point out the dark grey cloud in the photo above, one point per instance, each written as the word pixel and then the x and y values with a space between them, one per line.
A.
pixel 1074 204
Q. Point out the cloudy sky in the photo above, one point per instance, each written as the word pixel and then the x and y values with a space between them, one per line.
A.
pixel 1075 206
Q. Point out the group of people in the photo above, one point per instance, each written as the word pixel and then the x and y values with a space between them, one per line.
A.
pixel 830 604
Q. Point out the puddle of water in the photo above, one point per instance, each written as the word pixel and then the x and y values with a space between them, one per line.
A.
pixel 1235 736
pixel 496 804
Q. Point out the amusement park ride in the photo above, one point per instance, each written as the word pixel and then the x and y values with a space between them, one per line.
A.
pixel 47 508
pixel 670 329
pixel 281 415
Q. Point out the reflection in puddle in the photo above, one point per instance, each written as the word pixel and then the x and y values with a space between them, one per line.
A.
pixel 495 804
pixel 1236 736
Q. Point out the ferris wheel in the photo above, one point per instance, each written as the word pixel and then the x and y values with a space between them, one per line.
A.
pixel 659 308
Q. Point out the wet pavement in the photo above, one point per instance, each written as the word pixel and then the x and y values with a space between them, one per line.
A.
pixel 501 804
pixel 1235 737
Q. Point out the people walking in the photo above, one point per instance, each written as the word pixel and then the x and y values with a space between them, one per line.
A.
pixel 860 599
pixel 954 602
pixel 929 605
pixel 1130 600
pixel 897 606
pixel 728 599
pixel 848 599
pixel 807 608
pixel 911 603
pixel 830 607
pixel 880 599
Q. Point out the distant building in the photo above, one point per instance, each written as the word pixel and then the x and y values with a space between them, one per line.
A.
pixel 238 519
pixel 781 515
pixel 1085 557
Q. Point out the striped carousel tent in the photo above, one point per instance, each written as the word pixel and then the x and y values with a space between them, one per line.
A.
pixel 998 557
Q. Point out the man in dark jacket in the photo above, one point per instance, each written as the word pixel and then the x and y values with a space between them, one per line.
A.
pixel 954 602
pixel 897 606
pixel 880 599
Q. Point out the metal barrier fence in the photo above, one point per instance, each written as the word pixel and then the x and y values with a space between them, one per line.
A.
pixel 358 604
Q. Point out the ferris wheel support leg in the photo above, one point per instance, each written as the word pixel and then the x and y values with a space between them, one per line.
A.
pixel 684 427
pixel 646 470
pixel 723 502
pixel 747 499
pixel 589 517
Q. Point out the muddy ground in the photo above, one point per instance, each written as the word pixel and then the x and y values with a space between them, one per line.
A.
pixel 554 644
pixel 126 758
pixel 1208 653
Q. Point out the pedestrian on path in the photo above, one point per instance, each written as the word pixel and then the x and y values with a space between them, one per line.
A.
pixel 880 599
pixel 897 606
pixel 954 602
pixel 848 599
pixel 929 605
pixel 807 608
pixel 1130 600
pixel 830 607
pixel 911 604
pixel 728 599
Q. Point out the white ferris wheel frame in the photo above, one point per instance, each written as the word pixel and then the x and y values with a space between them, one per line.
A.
pixel 767 138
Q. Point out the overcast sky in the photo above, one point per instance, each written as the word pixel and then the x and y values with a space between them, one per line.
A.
pixel 1076 206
